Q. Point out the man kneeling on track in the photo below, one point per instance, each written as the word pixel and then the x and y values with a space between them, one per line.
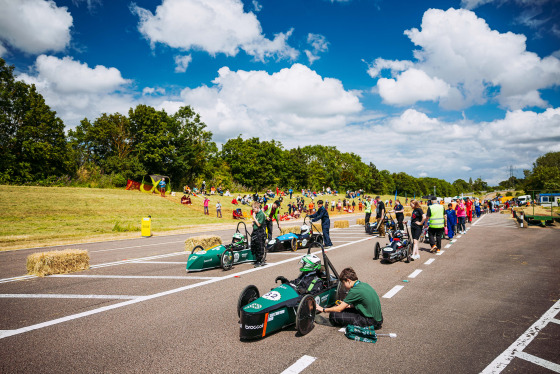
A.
pixel 311 277
pixel 361 307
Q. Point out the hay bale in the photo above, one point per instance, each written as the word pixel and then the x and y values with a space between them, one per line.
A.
pixel 341 224
pixel 206 241
pixel 290 229
pixel 57 262
pixel 360 221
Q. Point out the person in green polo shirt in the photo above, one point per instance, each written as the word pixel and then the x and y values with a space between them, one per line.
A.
pixel 361 307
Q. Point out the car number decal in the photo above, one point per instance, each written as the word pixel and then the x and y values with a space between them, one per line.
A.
pixel 272 295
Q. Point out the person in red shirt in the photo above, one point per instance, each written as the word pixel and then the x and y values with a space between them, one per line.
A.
pixel 469 210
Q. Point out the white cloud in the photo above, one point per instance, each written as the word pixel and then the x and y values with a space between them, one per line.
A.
pixel 257 6
pixel 3 50
pixel 182 63
pixel 318 44
pixel 395 66
pixel 460 49
pixel 153 91
pixel 411 86
pixel 34 26
pixel 75 90
pixel 293 101
pixel 219 26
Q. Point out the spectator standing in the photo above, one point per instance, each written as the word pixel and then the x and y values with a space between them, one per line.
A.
pixel 416 223
pixel 291 191
pixel 380 215
pixel 469 205
pixel 258 234
pixel 332 206
pixel 461 216
pixel 218 210
pixel 271 213
pixel 399 213
pixel 353 205
pixel 368 210
pixel 203 188
pixel 477 207
pixel 438 221
pixel 206 202
pixel 451 220
pixel 323 215
pixel 161 186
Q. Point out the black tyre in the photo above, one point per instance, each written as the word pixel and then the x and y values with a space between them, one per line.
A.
pixel 341 292
pixel 319 239
pixel 247 296
pixel 408 252
pixel 197 248
pixel 367 226
pixel 305 317
pixel 226 261
pixel 294 244
pixel 377 251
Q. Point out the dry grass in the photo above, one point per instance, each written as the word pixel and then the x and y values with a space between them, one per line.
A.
pixel 206 241
pixel 360 221
pixel 341 224
pixel 57 262
pixel 290 229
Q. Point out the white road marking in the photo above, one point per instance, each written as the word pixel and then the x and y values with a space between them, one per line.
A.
pixel 539 361
pixel 392 292
pixel 519 345
pixel 138 259
pixel 129 276
pixel 8 333
pixel 16 279
pixel 440 253
pixel 299 365
pixel 135 246
pixel 458 236
pixel 159 262
pixel 429 261
pixel 415 273
pixel 555 320
pixel 478 220
pixel 341 241
pixel 448 245
pixel 62 296
pixel 453 240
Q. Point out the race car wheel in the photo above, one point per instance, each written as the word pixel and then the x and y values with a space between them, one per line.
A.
pixel 408 251
pixel 197 248
pixel 247 296
pixel 294 244
pixel 226 261
pixel 367 226
pixel 341 293
pixel 377 251
pixel 305 318
pixel 319 239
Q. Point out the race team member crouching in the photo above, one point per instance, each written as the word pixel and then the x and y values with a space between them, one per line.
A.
pixel 361 307
pixel 258 235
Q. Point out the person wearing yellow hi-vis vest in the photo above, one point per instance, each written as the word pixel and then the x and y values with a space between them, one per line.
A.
pixel 271 212
pixel 438 221
pixel 367 204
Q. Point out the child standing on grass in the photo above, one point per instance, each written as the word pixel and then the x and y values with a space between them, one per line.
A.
pixel 218 210
pixel 206 201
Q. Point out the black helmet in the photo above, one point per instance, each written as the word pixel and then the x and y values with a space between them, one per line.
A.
pixel 398 234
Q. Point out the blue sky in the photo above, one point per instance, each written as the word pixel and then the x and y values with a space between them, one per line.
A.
pixel 450 89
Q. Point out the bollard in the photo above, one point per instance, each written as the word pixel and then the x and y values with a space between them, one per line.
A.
pixel 522 218
pixel 147 227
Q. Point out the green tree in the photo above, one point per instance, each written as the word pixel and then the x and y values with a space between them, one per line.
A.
pixel 32 137
pixel 545 175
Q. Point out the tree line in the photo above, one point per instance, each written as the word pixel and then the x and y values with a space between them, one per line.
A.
pixel 115 147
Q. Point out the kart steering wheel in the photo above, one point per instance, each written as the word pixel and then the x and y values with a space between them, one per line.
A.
pixel 282 279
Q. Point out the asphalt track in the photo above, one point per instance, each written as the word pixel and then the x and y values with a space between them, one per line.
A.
pixel 488 302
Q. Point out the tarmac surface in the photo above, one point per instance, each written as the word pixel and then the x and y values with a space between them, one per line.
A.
pixel 489 302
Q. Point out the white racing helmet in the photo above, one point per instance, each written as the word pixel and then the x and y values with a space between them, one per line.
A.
pixel 304 229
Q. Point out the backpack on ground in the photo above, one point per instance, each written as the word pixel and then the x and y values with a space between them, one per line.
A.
pixel 361 334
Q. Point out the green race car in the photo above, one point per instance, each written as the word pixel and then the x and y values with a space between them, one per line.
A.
pixel 222 255
pixel 291 303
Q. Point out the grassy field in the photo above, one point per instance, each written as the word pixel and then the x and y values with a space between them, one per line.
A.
pixel 43 216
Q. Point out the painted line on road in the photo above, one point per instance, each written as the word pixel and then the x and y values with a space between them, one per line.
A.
pixel 448 245
pixel 453 241
pixel 160 262
pixel 16 279
pixel 458 236
pixel 415 273
pixel 135 246
pixel 8 333
pixel 503 360
pixel 539 361
pixel 63 296
pixel 429 261
pixel 477 221
pixel 440 253
pixel 138 259
pixel 300 365
pixel 129 276
pixel 392 292
pixel 555 320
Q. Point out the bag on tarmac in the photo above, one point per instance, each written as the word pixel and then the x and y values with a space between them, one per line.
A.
pixel 361 334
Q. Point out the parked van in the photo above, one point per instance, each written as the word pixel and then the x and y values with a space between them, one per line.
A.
pixel 523 199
